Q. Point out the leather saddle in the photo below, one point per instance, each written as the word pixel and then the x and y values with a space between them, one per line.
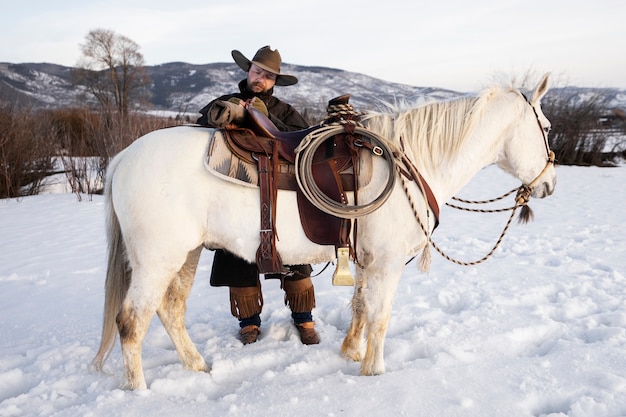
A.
pixel 261 136
pixel 273 151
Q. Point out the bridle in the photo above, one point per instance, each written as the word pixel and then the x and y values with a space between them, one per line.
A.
pixel 544 134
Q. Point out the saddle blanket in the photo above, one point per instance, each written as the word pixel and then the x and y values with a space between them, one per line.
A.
pixel 221 161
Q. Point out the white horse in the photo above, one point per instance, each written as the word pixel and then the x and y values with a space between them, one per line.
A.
pixel 163 207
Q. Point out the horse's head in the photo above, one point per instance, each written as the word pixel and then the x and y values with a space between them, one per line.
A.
pixel 527 154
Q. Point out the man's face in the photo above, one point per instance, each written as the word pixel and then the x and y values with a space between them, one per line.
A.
pixel 260 80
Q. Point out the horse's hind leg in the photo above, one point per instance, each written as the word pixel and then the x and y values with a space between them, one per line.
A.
pixel 172 311
pixel 150 281
pixel 132 322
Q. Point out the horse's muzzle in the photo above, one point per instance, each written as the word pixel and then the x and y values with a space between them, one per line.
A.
pixel 543 189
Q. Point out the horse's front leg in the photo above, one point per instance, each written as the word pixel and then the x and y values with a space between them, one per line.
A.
pixel 378 297
pixel 352 346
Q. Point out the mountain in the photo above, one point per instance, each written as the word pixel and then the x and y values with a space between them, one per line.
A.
pixel 185 88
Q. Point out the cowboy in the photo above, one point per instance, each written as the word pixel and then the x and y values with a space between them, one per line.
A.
pixel 242 277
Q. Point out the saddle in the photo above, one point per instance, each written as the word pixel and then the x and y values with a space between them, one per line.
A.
pixel 261 143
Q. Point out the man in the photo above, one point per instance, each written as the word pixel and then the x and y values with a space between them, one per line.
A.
pixel 263 73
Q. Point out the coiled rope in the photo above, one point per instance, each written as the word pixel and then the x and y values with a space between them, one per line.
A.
pixel 342 119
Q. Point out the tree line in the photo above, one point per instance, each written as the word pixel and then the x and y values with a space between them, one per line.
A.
pixel 79 142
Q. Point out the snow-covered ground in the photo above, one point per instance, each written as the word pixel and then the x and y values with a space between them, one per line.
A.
pixel 537 330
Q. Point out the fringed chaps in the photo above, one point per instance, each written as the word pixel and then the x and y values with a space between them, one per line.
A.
pixel 246 301
pixel 299 295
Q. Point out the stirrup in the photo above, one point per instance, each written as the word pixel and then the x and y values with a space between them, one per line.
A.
pixel 342 275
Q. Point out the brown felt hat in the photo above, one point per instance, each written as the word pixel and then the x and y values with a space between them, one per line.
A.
pixel 268 60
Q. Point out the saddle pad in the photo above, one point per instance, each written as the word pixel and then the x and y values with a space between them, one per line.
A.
pixel 221 162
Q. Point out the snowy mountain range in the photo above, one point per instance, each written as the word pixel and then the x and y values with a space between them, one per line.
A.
pixel 185 88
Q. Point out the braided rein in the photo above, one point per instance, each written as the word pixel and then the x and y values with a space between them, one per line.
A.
pixel 521 200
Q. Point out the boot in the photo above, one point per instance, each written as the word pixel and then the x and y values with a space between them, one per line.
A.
pixel 300 297
pixel 249 334
pixel 308 335
pixel 246 304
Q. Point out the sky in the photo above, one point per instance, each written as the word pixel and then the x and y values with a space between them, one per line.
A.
pixel 538 330
pixel 455 44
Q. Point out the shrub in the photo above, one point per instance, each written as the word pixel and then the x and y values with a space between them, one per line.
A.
pixel 79 141
pixel 25 154
pixel 577 136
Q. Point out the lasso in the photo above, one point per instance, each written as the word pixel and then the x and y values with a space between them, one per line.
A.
pixel 363 138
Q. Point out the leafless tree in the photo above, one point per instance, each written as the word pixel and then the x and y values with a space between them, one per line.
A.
pixel 112 70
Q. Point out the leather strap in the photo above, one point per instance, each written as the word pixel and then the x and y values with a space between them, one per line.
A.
pixel 267 258
pixel 424 187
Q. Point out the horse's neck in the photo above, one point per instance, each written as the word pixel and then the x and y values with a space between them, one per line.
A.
pixel 480 148
pixel 456 173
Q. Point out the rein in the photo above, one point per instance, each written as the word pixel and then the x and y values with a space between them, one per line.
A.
pixel 521 200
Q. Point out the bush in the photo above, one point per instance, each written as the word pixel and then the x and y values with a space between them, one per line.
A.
pixel 80 142
pixel 25 154
pixel 577 136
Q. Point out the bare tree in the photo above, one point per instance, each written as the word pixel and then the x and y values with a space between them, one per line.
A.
pixel 112 69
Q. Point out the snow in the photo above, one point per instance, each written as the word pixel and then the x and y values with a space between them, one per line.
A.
pixel 539 329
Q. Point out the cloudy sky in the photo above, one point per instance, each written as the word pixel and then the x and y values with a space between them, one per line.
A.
pixel 455 44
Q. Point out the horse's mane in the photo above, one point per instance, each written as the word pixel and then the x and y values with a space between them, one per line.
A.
pixel 435 128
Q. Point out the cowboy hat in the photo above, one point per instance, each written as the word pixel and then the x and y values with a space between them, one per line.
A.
pixel 266 59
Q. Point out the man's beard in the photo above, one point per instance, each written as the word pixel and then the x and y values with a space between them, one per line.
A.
pixel 257 88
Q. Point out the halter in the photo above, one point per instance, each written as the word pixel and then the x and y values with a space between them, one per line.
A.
pixel 550 154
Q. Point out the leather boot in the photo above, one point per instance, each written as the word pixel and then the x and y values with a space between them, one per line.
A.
pixel 300 297
pixel 246 302
pixel 249 334
pixel 308 335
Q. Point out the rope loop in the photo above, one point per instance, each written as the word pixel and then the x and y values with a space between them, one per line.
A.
pixel 304 174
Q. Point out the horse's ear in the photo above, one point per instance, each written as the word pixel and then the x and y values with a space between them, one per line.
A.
pixel 541 89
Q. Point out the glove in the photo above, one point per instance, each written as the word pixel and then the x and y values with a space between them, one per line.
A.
pixel 258 104
pixel 223 113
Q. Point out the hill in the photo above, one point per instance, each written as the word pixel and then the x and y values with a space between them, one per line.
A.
pixel 183 87
pixel 180 87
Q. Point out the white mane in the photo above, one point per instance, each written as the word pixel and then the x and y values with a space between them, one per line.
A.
pixel 436 129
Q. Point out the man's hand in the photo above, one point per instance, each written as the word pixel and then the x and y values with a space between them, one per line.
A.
pixel 258 104
pixel 223 113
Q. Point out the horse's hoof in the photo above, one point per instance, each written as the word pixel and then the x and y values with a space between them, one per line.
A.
pixel 350 353
pixel 372 370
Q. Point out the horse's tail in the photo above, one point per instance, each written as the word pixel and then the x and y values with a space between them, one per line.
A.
pixel 118 273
